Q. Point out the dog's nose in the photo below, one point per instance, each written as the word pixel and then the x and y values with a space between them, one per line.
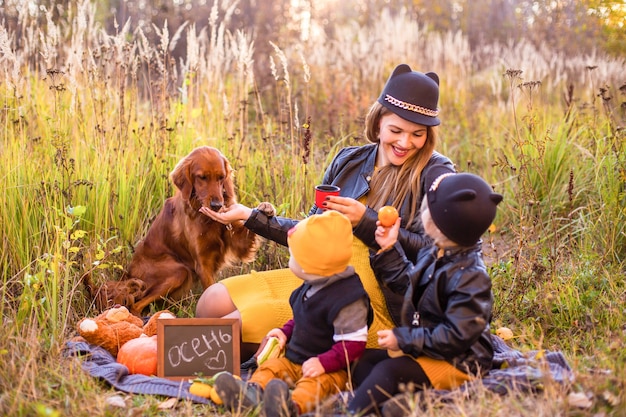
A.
pixel 216 205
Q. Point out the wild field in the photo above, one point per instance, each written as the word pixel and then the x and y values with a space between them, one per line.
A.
pixel 93 122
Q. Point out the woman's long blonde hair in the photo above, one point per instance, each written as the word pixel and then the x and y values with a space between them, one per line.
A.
pixel 397 180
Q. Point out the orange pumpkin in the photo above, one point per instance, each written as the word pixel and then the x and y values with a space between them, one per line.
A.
pixel 139 355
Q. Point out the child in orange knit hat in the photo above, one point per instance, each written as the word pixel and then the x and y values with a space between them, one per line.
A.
pixel 331 313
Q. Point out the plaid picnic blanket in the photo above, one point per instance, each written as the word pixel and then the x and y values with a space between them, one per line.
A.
pixel 99 363
pixel 526 372
pixel 512 370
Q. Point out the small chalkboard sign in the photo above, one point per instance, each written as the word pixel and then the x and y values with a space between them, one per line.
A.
pixel 188 347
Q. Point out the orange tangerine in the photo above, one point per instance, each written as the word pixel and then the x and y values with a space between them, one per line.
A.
pixel 387 215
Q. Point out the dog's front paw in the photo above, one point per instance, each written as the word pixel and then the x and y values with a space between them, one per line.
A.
pixel 267 209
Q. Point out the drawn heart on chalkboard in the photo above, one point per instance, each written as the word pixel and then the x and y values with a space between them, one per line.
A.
pixel 217 362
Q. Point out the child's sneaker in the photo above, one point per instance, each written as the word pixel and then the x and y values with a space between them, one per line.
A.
pixel 277 400
pixel 236 393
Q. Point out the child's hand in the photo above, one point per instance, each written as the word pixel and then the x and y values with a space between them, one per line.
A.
pixel 387 340
pixel 386 237
pixel 312 368
pixel 277 333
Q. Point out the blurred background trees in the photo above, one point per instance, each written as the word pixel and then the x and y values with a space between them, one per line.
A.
pixel 569 27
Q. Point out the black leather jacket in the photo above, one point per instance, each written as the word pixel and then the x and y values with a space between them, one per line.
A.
pixel 447 307
pixel 352 170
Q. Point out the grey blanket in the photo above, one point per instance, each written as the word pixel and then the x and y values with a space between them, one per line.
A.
pixel 527 372
pixel 512 370
pixel 99 363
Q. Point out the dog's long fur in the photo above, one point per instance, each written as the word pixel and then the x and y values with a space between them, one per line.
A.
pixel 182 245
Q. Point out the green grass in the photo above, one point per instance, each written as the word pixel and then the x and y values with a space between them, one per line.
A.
pixel 86 151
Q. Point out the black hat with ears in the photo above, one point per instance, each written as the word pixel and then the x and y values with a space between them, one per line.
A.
pixel 462 206
pixel 412 95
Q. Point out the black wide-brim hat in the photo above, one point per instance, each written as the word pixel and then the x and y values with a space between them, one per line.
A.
pixel 412 95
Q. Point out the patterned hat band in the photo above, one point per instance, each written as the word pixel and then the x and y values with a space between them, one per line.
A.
pixel 411 107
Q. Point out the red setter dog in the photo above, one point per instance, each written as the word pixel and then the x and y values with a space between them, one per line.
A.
pixel 182 245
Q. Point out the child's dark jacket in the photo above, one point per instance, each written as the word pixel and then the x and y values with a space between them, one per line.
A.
pixel 447 307
pixel 311 331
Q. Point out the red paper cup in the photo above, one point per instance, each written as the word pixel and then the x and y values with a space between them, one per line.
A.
pixel 321 191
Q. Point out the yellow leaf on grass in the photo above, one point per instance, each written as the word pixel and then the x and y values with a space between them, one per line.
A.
pixel 504 333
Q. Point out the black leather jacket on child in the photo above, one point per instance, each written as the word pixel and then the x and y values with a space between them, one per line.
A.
pixel 447 308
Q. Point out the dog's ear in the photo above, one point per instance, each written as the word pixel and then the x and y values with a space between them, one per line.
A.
pixel 229 185
pixel 181 177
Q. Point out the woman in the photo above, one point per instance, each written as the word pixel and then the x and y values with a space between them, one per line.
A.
pixel 396 169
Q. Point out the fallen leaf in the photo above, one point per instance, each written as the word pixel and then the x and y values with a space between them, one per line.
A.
pixel 611 398
pixel 116 401
pixel 168 404
pixel 579 400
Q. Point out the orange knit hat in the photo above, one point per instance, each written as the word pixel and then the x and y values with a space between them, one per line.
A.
pixel 322 243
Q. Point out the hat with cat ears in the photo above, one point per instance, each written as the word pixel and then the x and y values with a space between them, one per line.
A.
pixel 412 95
pixel 462 206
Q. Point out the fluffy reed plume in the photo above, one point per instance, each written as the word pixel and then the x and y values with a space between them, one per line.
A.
pixel 284 62
pixel 50 41
pixel 190 65
pixel 286 98
pixel 305 67
pixel 10 65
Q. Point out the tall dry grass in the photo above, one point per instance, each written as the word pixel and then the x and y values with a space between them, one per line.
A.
pixel 93 122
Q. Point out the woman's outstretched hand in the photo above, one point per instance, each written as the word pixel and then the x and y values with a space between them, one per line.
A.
pixel 228 215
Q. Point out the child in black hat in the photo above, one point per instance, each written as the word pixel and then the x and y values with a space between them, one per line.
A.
pixel 444 339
